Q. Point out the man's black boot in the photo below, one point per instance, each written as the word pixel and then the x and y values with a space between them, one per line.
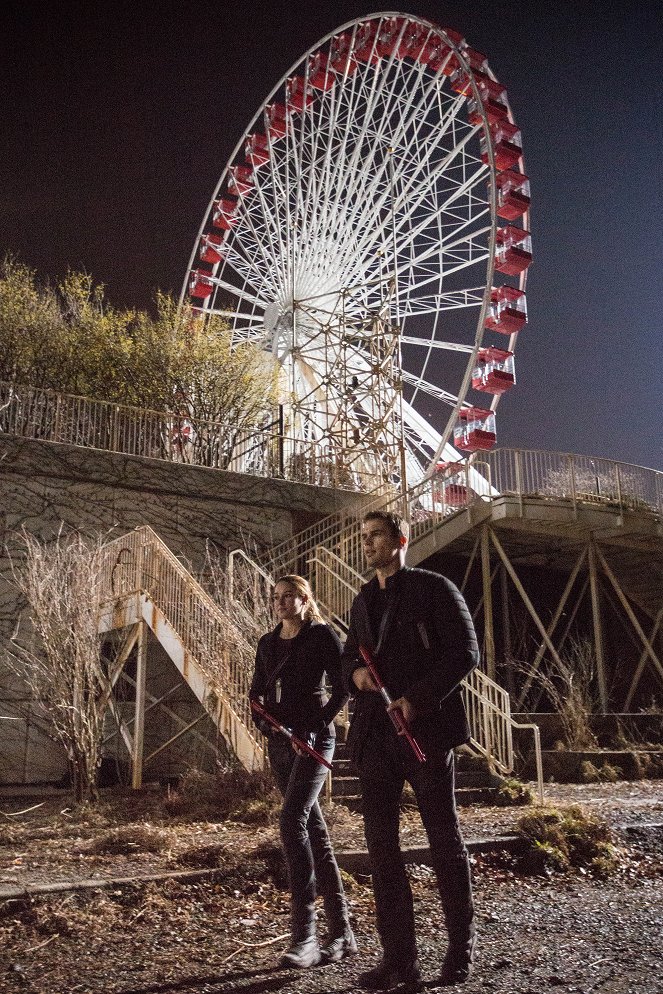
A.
pixel 457 965
pixel 385 976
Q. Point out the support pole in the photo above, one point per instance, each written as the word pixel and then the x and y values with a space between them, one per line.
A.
pixel 139 718
pixel 598 629
pixel 527 602
pixel 506 630
pixel 631 616
pixel 470 563
pixel 489 636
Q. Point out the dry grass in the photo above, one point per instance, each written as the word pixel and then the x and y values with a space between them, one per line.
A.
pixel 232 794
pixel 127 839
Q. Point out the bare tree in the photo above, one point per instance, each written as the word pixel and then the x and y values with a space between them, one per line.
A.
pixel 56 646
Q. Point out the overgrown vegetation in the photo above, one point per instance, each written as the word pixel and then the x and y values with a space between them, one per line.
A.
pixel 232 794
pixel 67 337
pixel 560 838
pixel 606 773
pixel 513 793
pixel 124 840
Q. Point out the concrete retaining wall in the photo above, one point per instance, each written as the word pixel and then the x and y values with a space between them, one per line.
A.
pixel 44 484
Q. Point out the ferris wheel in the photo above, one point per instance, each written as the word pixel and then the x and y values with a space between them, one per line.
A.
pixel 370 231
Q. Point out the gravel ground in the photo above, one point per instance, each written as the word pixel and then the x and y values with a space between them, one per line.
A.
pixel 568 932
pixel 565 931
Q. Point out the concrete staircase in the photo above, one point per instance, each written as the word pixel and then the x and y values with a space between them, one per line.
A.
pixel 475 784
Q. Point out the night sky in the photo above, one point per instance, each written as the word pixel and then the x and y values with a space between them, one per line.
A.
pixel 117 120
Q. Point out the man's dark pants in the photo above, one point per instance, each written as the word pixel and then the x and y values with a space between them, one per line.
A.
pixel 383 767
pixel 311 862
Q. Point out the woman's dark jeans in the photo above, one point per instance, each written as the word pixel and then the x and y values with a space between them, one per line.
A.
pixel 308 851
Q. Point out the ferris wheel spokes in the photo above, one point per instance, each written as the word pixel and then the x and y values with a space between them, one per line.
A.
pixel 370 200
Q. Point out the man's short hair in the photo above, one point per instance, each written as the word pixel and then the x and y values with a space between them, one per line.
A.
pixel 397 526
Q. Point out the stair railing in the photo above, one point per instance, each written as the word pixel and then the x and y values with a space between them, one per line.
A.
pixel 141 563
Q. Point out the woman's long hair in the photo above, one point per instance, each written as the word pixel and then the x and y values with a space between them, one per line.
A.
pixel 303 588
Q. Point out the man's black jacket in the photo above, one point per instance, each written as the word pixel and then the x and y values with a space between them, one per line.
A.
pixel 300 702
pixel 428 646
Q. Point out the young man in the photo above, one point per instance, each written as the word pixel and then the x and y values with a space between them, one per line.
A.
pixel 418 627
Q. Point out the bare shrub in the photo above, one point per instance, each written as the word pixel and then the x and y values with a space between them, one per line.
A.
pixel 56 649
pixel 569 685
pixel 248 797
pixel 233 794
pixel 127 839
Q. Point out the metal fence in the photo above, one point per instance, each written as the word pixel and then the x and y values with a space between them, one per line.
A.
pixel 178 438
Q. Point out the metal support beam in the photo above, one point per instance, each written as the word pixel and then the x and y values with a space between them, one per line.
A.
pixel 506 630
pixel 121 726
pixel 470 564
pixel 178 719
pixel 551 628
pixel 596 620
pixel 478 607
pixel 643 660
pixel 119 664
pixel 154 702
pixel 565 634
pixel 527 602
pixel 176 736
pixel 631 615
pixel 139 719
pixel 488 627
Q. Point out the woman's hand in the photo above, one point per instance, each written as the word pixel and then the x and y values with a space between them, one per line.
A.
pixel 362 679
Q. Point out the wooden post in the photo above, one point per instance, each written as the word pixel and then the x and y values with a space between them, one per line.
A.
pixel 139 719
pixel 489 636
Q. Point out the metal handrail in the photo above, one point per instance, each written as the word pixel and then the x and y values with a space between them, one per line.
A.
pixel 172 436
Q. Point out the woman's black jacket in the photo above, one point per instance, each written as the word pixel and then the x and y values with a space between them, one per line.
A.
pixel 428 647
pixel 300 681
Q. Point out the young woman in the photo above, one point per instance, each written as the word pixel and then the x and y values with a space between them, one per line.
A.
pixel 289 681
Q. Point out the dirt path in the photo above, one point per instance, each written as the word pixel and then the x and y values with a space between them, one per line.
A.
pixel 569 932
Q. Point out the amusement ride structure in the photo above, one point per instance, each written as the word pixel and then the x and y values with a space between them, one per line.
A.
pixel 370 230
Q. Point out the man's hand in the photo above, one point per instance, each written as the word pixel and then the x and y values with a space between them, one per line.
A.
pixel 362 679
pixel 408 710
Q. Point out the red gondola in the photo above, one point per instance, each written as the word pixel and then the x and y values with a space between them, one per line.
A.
pixel 494 372
pixel 475 430
pixel 507 311
pixel 200 285
pixel 514 250
pixel 211 248
pixel 513 197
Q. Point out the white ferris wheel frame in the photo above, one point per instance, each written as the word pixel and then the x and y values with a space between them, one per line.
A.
pixel 385 204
